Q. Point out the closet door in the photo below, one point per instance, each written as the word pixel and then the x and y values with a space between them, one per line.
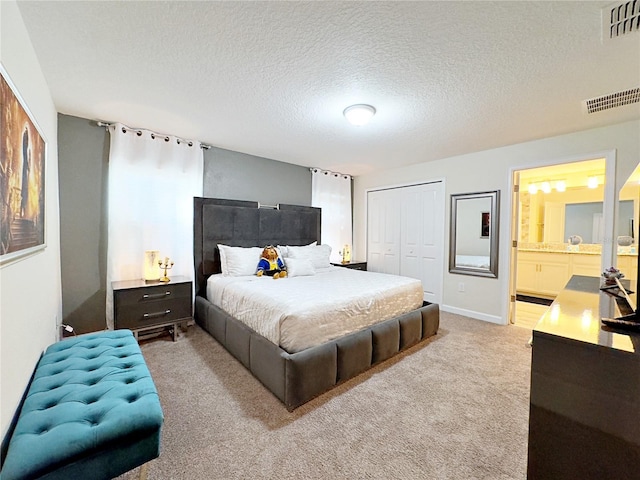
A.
pixel 421 245
pixel 383 231
pixel 411 232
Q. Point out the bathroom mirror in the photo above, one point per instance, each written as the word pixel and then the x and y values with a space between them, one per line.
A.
pixel 473 240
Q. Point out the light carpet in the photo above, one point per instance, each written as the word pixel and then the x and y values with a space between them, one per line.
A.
pixel 453 407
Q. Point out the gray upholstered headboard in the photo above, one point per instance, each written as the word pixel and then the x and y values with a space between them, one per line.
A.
pixel 242 224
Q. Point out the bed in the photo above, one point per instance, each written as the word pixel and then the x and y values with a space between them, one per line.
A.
pixel 294 367
pixel 473 261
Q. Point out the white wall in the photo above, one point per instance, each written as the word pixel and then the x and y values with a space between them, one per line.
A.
pixel 30 292
pixel 487 298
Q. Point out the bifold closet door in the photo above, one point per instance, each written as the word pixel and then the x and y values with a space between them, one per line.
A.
pixel 405 234
pixel 383 231
pixel 421 251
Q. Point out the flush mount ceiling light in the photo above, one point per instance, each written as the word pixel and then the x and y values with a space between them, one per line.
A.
pixel 359 114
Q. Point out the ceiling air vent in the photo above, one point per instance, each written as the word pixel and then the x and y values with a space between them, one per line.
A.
pixel 619 19
pixel 613 100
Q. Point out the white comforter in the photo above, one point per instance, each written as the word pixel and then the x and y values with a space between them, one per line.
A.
pixel 299 312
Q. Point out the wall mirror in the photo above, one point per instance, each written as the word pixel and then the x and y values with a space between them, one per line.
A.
pixel 473 240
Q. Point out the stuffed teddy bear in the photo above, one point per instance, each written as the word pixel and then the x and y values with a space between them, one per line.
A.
pixel 271 264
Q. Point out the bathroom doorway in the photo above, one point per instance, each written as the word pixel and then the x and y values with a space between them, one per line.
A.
pixel 557 232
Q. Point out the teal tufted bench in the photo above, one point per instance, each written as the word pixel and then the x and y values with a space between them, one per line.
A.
pixel 91 412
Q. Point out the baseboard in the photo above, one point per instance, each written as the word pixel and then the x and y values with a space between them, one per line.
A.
pixel 472 314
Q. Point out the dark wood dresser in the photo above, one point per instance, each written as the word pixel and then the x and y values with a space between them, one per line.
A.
pixel 142 306
pixel 584 418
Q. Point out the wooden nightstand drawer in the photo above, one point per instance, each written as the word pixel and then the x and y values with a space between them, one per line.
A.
pixel 352 265
pixel 151 313
pixel 136 296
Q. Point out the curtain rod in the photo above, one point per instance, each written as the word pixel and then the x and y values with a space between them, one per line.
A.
pixel 335 174
pixel 100 123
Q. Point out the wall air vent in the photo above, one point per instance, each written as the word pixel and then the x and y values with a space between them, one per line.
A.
pixel 620 19
pixel 613 100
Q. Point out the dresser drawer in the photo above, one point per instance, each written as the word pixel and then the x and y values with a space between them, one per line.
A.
pixel 136 296
pixel 145 314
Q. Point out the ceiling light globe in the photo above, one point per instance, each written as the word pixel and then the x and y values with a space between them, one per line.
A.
pixel 545 187
pixel 359 114
pixel 533 189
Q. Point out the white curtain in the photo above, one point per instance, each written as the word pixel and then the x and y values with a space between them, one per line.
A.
pixel 152 181
pixel 331 192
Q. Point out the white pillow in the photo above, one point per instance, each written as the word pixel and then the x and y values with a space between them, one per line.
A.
pixel 318 255
pixel 282 251
pixel 290 250
pixel 239 261
pixel 298 267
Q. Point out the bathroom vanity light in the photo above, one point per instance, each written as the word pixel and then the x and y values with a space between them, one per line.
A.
pixel 359 114
pixel 545 187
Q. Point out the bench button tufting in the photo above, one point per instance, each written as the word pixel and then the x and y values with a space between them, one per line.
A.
pixel 75 376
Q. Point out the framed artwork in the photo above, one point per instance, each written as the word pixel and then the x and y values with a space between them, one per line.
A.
pixel 22 176
pixel 486 225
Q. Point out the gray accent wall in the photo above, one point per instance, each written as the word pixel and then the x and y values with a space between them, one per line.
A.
pixel 83 153
pixel 239 176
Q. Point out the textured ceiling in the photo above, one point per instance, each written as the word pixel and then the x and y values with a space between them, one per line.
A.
pixel 272 78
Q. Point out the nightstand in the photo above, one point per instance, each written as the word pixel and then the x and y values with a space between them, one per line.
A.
pixel 141 306
pixel 353 265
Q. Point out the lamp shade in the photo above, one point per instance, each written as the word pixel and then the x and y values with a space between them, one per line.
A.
pixel 151 268
pixel 359 114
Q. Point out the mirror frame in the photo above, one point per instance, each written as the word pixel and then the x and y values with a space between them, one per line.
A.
pixel 494 225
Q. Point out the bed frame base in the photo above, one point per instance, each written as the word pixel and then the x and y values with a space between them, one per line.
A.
pixel 299 377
